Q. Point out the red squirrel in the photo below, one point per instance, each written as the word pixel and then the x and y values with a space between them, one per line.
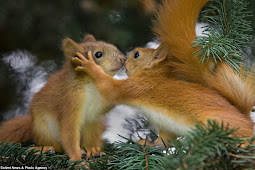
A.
pixel 66 113
pixel 173 89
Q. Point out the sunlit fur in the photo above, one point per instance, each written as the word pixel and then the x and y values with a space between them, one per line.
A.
pixel 173 105
pixel 67 111
pixel 174 93
pixel 175 25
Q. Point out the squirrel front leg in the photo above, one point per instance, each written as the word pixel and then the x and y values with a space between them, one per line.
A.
pixel 69 125
pixel 91 138
pixel 70 138
pixel 108 86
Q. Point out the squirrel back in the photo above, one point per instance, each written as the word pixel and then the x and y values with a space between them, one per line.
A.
pixel 175 24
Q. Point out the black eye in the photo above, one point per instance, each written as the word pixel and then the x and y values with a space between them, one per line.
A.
pixel 99 54
pixel 136 55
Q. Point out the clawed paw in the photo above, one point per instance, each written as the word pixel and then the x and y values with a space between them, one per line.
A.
pixel 83 164
pixel 43 149
pixel 83 61
pixel 95 151
pixel 84 64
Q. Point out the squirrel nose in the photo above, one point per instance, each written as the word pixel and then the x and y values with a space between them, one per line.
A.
pixel 122 60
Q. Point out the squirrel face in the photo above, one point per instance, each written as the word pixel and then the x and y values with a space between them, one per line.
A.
pixel 145 58
pixel 138 59
pixel 105 55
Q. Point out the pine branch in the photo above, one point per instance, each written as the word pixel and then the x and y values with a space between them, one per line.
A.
pixel 208 146
pixel 211 147
pixel 205 147
pixel 13 154
pixel 226 34
pixel 132 155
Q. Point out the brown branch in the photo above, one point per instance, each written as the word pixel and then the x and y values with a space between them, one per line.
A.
pixel 146 157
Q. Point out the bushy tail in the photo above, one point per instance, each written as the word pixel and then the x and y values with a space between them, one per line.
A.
pixel 239 88
pixel 18 129
pixel 175 24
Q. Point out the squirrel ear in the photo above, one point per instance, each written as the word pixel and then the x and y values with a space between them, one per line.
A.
pixel 158 55
pixel 70 47
pixel 89 37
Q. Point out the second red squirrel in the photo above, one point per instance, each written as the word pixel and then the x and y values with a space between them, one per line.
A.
pixel 170 87
pixel 175 24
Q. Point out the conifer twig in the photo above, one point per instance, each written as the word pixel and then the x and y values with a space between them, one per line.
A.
pixel 226 34
pixel 146 157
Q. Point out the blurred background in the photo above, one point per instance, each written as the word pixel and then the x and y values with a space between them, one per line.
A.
pixel 36 28
pixel 31 32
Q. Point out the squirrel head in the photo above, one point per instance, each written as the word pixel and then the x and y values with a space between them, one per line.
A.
pixel 145 58
pixel 105 55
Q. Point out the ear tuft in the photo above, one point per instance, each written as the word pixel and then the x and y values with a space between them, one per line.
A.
pixel 161 51
pixel 158 55
pixel 70 47
pixel 89 37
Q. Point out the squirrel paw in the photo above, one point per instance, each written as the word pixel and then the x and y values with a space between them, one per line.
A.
pixel 86 65
pixel 95 151
pixel 83 164
pixel 83 61
pixel 43 149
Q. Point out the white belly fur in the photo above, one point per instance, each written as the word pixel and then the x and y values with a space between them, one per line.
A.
pixel 94 104
pixel 165 123
pixel 53 127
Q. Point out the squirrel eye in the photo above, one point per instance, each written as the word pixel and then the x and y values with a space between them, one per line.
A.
pixel 136 55
pixel 98 54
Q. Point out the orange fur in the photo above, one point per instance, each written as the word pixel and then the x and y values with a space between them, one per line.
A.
pixel 170 103
pixel 175 25
pixel 73 116
pixel 67 111
pixel 18 129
